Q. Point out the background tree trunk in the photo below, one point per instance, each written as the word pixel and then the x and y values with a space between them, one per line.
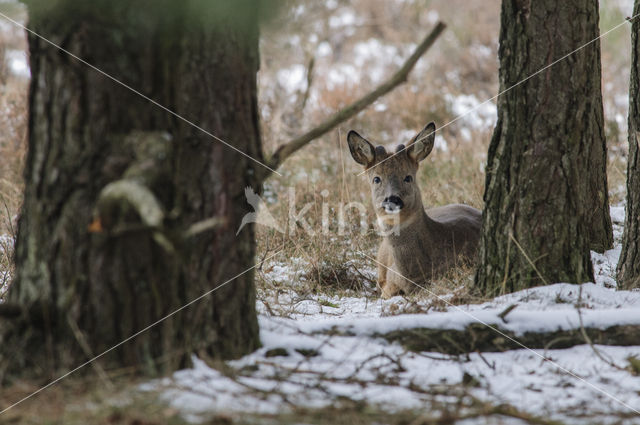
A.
pixel 91 269
pixel 546 200
pixel 629 264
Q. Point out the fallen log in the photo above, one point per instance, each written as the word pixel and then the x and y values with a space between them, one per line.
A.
pixel 478 337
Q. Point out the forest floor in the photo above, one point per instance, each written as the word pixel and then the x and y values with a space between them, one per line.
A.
pixel 331 352
pixel 330 359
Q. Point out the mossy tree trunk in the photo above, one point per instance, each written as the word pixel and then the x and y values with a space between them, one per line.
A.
pixel 113 182
pixel 629 264
pixel 546 201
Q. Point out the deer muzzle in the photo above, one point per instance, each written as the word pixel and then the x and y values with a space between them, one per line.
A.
pixel 392 204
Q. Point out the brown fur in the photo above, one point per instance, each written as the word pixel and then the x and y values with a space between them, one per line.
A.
pixel 425 244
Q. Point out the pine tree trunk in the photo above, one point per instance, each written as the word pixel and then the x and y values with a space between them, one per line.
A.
pixel 113 182
pixel 629 263
pixel 546 201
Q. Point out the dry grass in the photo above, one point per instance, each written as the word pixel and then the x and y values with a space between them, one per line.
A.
pixel 13 130
pixel 329 264
pixel 454 175
pixel 463 61
pixel 12 157
pixel 81 403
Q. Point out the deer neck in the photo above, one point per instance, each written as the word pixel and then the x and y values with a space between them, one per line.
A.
pixel 418 226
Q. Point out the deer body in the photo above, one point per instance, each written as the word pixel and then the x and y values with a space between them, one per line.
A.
pixel 418 245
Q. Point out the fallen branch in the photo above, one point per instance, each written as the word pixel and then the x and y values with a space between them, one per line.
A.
pixel 204 226
pixel 286 150
pixel 477 337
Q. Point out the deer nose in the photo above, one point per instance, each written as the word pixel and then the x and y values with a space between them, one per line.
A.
pixel 392 204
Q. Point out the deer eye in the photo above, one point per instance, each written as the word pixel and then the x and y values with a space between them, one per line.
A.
pixel 376 180
pixel 408 179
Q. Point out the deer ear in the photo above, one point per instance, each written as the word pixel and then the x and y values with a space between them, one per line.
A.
pixel 361 150
pixel 422 144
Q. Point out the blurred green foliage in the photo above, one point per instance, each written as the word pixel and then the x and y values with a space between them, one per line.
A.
pixel 232 14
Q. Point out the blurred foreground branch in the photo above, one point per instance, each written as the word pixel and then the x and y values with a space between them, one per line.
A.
pixel 286 150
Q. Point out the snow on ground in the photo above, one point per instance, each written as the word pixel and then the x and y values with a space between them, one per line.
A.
pixel 304 362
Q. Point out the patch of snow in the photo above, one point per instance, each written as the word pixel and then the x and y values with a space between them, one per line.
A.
pixel 331 4
pixel 371 59
pixel 373 49
pixel 404 136
pixel 327 350
pixel 481 50
pixel 324 49
pixel 547 308
pixel 345 17
pixel 374 57
pixel 621 101
pixel 342 74
pixel 380 107
pixel 17 61
pixel 617 214
pixel 293 78
pixel 441 143
pixel 604 266
pixel 625 6
pixel 6 27
pixel 317 371
pixel 473 113
pixel 465 133
pixel 433 16
pixel 298 10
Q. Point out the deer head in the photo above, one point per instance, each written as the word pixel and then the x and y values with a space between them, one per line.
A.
pixel 392 176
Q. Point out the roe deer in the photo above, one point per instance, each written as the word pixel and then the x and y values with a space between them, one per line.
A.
pixel 423 244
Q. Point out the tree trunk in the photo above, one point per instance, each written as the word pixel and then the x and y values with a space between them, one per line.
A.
pixel 629 263
pixel 546 201
pixel 113 182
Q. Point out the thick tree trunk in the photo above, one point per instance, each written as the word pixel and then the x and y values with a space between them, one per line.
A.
pixel 113 182
pixel 546 201
pixel 629 264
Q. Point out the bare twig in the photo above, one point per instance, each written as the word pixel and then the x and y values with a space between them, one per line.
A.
pixel 546 282
pixel 307 91
pixel 284 151
pixel 506 311
pixel 588 340
pixel 84 345
pixel 491 365
pixel 204 225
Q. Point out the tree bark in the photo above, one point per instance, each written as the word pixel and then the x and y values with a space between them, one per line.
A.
pixel 113 183
pixel 629 263
pixel 546 200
